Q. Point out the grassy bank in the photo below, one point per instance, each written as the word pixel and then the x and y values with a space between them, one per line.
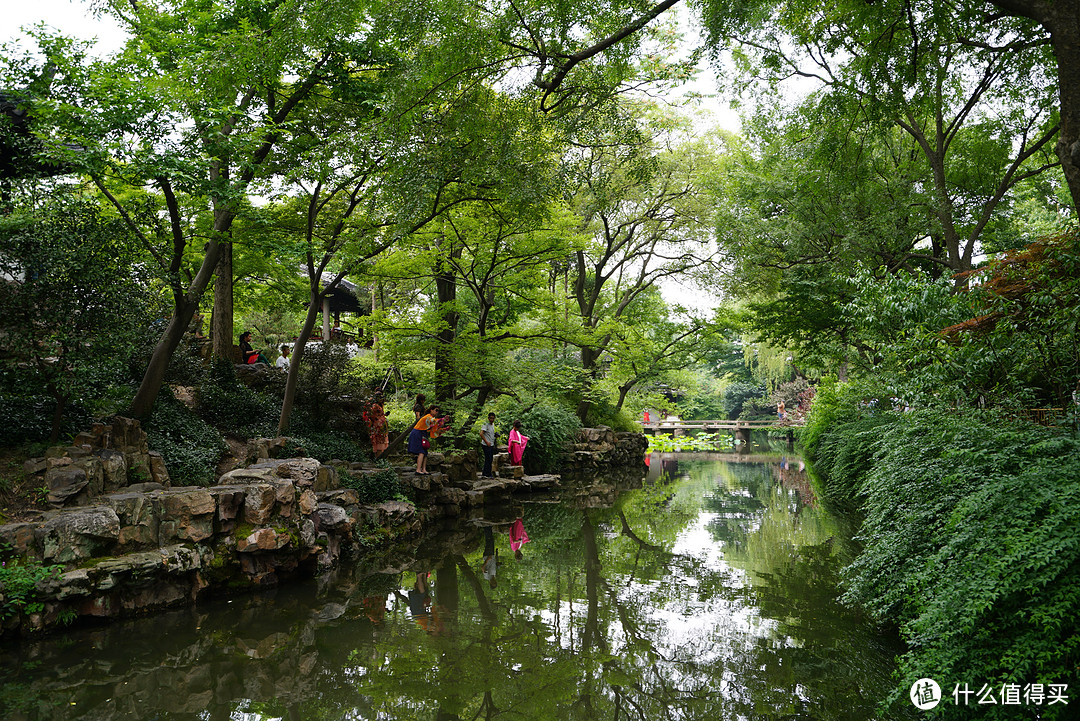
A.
pixel 971 545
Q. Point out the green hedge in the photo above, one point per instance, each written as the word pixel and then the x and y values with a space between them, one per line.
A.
pixel 324 446
pixel 190 446
pixel 375 487
pixel 971 545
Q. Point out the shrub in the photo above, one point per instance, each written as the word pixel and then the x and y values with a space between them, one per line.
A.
pixel 227 404
pixel 325 446
pixel 835 403
pixel 375 487
pixel 970 545
pixel 327 371
pixel 28 419
pixel 190 446
pixel 738 393
pixel 550 430
pixel 18 587
pixel 845 455
pixel 604 414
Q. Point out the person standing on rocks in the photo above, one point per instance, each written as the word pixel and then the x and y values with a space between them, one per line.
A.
pixel 375 419
pixel 487 443
pixel 516 443
pixel 419 445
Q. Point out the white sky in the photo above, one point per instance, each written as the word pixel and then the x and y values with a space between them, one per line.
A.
pixel 73 17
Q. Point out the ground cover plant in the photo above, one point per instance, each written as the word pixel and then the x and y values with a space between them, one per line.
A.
pixel 970 544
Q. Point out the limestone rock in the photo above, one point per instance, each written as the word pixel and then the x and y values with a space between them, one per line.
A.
pixel 330 517
pixel 420 483
pixel 113 468
pixel 542 481
pixel 79 534
pixel 301 471
pixel 158 472
pixel 229 501
pixel 147 487
pixel 186 515
pixel 259 502
pixel 450 496
pixel 308 502
pixel 255 375
pixel 396 512
pixel 344 497
pixel 138 520
pixel 66 483
pixel 326 479
pixel 19 537
pixel 263 539
pixel 307 533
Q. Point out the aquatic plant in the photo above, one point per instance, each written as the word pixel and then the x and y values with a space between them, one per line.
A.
pixel 666 443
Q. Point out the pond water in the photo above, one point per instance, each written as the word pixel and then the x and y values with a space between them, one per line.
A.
pixel 708 592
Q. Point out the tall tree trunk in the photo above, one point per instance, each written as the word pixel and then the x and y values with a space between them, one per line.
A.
pixel 589 356
pixel 183 311
pixel 221 330
pixel 1061 18
pixel 1065 37
pixel 446 287
pixel 314 309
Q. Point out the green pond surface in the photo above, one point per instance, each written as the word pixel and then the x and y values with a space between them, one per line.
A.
pixel 706 591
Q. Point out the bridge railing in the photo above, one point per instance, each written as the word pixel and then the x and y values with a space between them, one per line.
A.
pixel 720 424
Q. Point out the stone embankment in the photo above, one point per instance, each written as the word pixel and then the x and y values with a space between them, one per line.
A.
pixel 122 541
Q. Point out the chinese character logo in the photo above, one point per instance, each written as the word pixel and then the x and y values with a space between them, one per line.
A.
pixel 925 694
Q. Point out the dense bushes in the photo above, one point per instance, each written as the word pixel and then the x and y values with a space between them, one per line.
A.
pixel 740 394
pixel 227 404
pixel 550 430
pixel 190 446
pixel 28 419
pixel 324 446
pixel 846 457
pixel 971 543
pixel 375 487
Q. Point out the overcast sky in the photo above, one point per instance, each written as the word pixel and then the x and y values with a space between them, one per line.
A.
pixel 73 17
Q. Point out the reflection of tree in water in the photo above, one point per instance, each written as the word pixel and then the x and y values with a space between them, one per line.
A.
pixel 609 615
pixel 736 501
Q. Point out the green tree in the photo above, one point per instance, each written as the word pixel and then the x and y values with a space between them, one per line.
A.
pixel 637 195
pixel 75 298
pixel 917 66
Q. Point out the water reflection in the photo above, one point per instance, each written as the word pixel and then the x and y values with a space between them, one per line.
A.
pixel 708 593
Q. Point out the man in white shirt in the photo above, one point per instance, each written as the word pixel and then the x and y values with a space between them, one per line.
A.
pixel 283 360
pixel 487 442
